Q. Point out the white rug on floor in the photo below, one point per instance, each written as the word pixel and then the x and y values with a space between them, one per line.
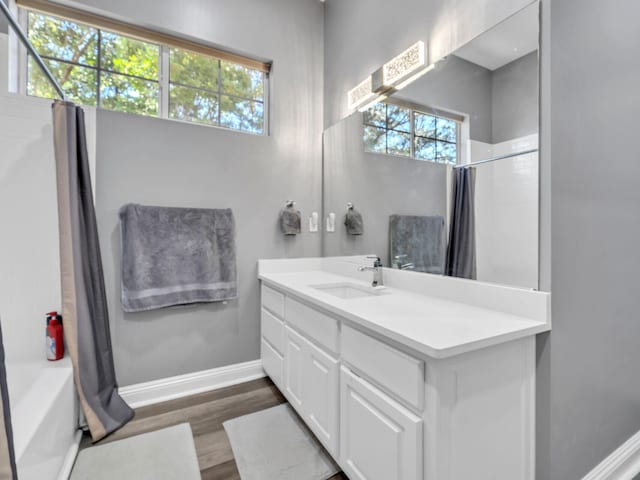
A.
pixel 275 444
pixel 167 454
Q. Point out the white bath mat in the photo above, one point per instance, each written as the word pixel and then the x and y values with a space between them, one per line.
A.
pixel 275 444
pixel 167 454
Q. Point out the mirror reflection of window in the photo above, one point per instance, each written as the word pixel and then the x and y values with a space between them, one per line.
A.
pixel 395 130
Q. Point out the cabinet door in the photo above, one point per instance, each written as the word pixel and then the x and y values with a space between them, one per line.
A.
pixel 322 383
pixel 294 364
pixel 272 362
pixel 379 438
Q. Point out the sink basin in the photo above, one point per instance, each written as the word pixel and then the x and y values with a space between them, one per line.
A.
pixel 349 290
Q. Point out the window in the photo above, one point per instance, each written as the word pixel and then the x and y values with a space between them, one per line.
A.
pixel 205 90
pixel 403 131
pixel 117 72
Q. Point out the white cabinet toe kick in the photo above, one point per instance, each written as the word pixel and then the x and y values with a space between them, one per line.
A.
pixel 385 411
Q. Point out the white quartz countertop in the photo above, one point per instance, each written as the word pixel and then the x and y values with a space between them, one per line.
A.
pixel 435 327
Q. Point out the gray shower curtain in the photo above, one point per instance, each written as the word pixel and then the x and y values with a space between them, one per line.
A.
pixel 461 249
pixel 8 469
pixel 84 306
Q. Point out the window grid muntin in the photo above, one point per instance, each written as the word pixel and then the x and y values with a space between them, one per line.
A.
pixel 413 134
pixel 219 93
pixel 163 65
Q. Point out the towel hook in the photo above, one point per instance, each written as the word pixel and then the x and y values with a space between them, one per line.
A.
pixel 349 205
pixel 289 203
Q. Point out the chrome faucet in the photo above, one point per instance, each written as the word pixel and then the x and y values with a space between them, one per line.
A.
pixel 399 262
pixel 376 269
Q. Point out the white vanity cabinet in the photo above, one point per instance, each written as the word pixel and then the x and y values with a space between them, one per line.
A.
pixel 379 439
pixel 385 411
pixel 309 375
pixel 295 366
pixel 311 384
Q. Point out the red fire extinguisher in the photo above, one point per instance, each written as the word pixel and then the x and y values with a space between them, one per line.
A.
pixel 55 342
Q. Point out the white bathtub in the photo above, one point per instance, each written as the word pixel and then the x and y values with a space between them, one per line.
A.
pixel 44 416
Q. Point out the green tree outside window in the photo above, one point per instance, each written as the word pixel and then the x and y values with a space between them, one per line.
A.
pixel 109 70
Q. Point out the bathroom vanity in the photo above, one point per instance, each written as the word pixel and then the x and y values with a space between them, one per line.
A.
pixel 427 378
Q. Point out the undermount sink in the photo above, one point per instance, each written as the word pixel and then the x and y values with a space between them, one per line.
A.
pixel 349 290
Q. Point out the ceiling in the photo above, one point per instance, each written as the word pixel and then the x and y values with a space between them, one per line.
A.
pixel 506 42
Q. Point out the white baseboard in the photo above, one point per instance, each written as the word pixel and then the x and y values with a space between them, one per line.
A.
pixel 170 388
pixel 622 464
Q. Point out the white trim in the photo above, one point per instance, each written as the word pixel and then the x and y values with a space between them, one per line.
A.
pixel 622 464
pixel 70 457
pixel 170 388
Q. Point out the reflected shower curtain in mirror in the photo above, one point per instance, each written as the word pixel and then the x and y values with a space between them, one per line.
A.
pixel 8 469
pixel 461 250
pixel 84 305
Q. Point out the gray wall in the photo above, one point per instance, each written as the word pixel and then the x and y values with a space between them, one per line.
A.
pixel 514 99
pixel 501 104
pixel 378 185
pixel 360 35
pixel 162 162
pixel 595 199
pixel 458 86
pixel 4 25
pixel 588 395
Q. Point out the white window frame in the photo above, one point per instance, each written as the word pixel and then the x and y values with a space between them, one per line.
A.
pixel 163 81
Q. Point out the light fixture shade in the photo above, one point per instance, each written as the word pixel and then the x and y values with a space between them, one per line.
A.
pixel 393 75
pixel 404 66
pixel 360 94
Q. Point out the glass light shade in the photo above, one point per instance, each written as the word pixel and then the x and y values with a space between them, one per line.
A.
pixel 404 66
pixel 360 94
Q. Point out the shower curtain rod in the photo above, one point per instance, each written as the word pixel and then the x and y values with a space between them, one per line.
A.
pixel 25 41
pixel 499 157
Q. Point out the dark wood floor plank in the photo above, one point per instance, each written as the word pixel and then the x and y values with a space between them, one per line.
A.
pixel 203 417
pixel 205 397
pixel 224 471
pixel 206 412
pixel 213 449
pixel 339 476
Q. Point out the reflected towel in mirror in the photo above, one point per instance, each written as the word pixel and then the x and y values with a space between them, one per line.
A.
pixel 417 241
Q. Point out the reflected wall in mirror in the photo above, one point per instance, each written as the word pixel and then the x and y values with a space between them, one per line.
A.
pixel 445 172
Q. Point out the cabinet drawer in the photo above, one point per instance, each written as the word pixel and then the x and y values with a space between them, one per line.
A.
pixel 272 363
pixel 379 438
pixel 319 327
pixel 273 301
pixel 392 369
pixel 273 330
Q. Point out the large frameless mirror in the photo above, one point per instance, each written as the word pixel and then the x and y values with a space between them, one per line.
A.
pixel 442 176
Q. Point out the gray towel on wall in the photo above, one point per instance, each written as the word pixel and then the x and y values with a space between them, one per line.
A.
pixel 418 240
pixel 290 220
pixel 176 256
pixel 353 222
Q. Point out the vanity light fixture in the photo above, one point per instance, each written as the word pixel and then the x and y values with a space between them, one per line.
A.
pixel 361 95
pixel 394 75
pixel 401 70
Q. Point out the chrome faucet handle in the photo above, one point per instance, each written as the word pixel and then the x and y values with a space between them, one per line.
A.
pixel 377 262
pixel 376 269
